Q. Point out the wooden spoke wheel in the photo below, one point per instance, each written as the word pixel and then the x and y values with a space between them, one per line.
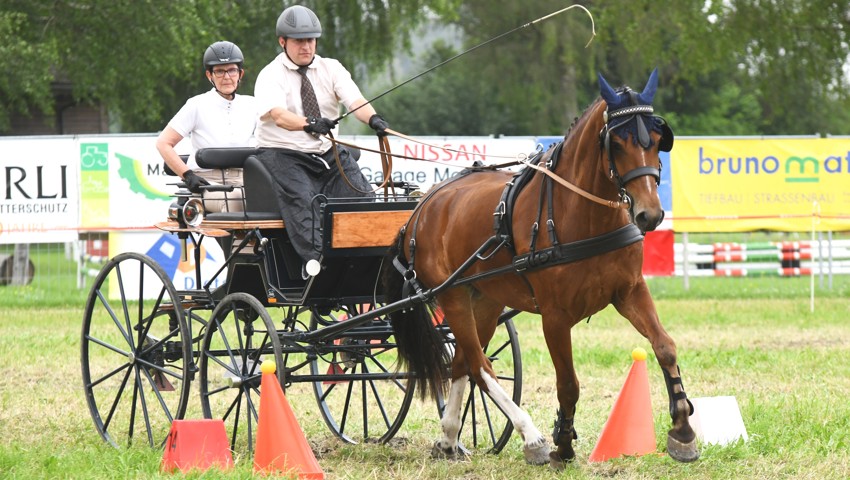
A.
pixel 136 352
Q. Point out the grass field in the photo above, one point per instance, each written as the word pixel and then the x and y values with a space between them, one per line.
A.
pixel 755 339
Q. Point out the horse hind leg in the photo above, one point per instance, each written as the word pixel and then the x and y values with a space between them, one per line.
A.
pixel 472 317
pixel 447 445
pixel 535 446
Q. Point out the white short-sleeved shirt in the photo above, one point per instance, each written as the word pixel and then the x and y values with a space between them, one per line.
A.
pixel 214 121
pixel 279 85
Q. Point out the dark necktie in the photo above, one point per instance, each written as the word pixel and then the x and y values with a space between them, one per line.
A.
pixel 308 96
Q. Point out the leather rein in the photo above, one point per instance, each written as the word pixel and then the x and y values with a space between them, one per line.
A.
pixel 623 202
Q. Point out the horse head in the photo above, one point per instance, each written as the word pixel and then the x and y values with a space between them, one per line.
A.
pixel 632 137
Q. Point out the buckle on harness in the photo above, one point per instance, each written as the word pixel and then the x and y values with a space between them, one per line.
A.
pixel 500 210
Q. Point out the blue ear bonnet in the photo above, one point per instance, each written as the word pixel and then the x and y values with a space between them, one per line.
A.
pixel 625 105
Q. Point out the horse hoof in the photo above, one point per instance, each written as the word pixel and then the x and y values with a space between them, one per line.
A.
pixel 558 463
pixel 537 453
pixel 443 453
pixel 682 452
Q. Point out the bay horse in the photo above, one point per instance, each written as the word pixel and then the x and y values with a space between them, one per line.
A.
pixel 542 241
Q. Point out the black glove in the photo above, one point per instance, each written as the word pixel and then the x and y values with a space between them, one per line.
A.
pixel 319 126
pixel 378 124
pixel 194 182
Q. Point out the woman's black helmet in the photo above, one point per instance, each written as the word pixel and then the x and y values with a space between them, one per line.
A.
pixel 222 53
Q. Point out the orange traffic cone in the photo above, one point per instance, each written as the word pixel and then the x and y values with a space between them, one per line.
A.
pixel 196 444
pixel 281 444
pixel 630 429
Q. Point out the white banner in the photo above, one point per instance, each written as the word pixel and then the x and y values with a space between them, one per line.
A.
pixel 444 157
pixel 40 198
pixel 56 187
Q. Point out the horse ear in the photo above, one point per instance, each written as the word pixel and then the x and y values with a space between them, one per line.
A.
pixel 608 93
pixel 649 90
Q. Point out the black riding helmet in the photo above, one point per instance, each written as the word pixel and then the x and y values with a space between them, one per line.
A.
pixel 223 53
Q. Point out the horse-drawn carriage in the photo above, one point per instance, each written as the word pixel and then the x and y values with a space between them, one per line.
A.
pixel 145 341
pixel 475 245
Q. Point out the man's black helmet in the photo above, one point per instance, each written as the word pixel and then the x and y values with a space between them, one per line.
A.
pixel 222 53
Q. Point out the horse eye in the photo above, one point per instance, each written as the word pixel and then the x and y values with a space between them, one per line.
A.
pixel 616 148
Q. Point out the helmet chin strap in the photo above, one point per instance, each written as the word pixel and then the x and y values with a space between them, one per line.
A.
pixel 293 61
pixel 224 95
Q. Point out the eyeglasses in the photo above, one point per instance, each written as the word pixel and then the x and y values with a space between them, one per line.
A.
pixel 231 72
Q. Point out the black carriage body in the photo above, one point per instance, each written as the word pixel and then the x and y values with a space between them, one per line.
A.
pixel 268 268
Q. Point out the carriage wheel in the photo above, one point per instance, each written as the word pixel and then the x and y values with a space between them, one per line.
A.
pixel 360 396
pixel 136 354
pixel 483 425
pixel 239 336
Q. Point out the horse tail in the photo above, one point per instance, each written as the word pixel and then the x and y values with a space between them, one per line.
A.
pixel 421 348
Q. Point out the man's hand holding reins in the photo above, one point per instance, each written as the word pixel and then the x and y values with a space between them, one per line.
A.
pixel 378 124
pixel 319 126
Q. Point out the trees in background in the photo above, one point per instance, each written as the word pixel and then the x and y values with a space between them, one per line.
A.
pixel 727 67
pixel 142 59
pixel 730 67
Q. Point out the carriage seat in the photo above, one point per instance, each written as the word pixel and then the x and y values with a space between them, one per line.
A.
pixel 222 158
pixel 260 203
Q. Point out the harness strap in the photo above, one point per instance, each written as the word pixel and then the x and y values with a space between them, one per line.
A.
pixel 574 251
pixel 563 253
pixel 550 222
pixel 503 223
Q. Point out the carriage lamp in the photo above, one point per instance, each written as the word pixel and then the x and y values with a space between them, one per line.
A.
pixel 187 211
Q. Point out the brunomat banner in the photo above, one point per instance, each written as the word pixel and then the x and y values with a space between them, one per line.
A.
pixel 784 184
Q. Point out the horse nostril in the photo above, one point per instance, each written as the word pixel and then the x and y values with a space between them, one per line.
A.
pixel 646 222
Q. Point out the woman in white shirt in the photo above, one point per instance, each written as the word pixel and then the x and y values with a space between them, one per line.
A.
pixel 217 118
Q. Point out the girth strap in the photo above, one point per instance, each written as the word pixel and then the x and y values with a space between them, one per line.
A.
pixel 575 251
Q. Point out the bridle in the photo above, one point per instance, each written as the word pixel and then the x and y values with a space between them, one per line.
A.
pixel 620 118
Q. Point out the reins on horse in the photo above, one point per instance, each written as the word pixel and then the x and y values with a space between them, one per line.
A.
pixel 386 163
pixel 583 193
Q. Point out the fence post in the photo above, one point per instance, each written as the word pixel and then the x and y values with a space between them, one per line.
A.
pixel 21 265
pixel 685 264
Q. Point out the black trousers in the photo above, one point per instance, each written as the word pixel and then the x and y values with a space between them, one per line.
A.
pixel 302 182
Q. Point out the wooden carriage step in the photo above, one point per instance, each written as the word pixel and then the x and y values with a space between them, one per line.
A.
pixel 208 230
pixel 367 229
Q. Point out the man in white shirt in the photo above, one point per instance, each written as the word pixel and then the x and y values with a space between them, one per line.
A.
pixel 289 133
pixel 217 118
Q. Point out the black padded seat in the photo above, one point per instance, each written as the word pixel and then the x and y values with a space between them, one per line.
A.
pixel 260 193
pixel 223 157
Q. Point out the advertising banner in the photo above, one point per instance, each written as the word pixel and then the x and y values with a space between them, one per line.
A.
pixel 790 184
pixel 445 156
pixel 126 186
pixel 175 257
pixel 39 202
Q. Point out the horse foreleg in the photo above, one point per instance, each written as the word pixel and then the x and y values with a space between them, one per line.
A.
pixel 639 308
pixel 559 340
